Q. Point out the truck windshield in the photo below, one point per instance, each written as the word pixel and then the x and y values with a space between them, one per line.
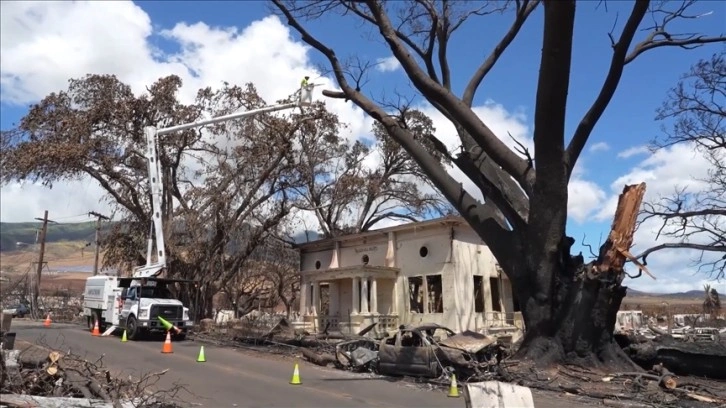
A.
pixel 155 292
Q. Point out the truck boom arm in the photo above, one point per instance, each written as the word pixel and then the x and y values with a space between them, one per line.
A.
pixel 155 181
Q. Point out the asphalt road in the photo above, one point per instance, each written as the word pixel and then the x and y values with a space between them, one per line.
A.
pixel 233 378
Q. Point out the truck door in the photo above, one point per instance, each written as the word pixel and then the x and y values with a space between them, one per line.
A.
pixel 128 297
pixel 118 303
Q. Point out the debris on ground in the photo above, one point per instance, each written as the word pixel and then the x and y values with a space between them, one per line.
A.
pixel 657 387
pixel 427 355
pixel 37 376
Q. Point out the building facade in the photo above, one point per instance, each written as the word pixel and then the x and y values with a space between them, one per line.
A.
pixel 436 271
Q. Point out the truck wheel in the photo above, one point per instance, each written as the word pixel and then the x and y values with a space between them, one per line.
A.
pixel 132 327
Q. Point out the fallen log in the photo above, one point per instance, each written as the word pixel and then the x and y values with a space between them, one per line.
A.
pixel 667 379
pixel 79 383
pixel 682 358
pixel 321 359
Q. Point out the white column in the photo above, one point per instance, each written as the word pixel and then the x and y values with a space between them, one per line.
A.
pixel 334 263
pixel 356 296
pixel 364 296
pixel 391 250
pixel 374 296
pixel 316 299
pixel 395 302
pixel 304 286
pixel 334 298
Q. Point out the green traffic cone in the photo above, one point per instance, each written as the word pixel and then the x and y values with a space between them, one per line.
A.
pixel 167 326
pixel 201 358
pixel 123 337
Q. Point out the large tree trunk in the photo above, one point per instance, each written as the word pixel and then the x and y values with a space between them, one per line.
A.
pixel 570 317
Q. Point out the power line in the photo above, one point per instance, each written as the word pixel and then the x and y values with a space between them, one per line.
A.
pixel 71 216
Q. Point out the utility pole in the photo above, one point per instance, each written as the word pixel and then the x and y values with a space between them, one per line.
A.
pixel 43 233
pixel 99 217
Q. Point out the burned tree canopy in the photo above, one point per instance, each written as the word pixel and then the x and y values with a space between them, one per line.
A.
pixel 352 186
pixel 225 185
pixel 696 220
pixel 568 307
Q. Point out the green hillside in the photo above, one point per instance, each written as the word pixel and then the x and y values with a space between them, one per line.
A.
pixel 13 232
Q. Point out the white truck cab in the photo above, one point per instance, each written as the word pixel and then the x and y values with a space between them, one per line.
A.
pixel 134 305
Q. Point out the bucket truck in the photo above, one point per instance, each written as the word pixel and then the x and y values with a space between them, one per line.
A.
pixel 134 304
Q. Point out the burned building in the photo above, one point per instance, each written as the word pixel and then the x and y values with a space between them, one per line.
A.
pixel 436 271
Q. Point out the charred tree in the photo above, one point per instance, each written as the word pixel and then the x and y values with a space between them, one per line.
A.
pixel 578 324
pixel 568 306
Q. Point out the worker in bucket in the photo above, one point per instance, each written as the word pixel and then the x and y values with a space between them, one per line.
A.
pixel 305 92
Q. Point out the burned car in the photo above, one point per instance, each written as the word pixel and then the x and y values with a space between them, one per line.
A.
pixel 430 349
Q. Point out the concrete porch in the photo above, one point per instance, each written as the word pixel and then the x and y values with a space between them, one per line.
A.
pixel 349 299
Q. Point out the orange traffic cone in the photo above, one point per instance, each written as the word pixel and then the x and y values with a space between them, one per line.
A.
pixel 166 349
pixel 46 323
pixel 96 331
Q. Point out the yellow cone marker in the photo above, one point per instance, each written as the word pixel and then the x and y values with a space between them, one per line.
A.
pixel 453 388
pixel 295 376
pixel 201 358
pixel 123 337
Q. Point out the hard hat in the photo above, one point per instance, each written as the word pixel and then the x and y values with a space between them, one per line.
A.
pixel 307 77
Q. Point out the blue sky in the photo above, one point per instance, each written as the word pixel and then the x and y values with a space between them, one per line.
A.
pixel 628 122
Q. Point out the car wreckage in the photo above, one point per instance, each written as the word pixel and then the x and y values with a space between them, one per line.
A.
pixel 427 350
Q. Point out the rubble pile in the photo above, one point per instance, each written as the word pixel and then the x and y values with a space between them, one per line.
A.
pixel 655 387
pixel 425 351
pixel 36 376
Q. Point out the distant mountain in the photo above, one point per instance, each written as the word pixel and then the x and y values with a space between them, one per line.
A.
pixel 691 294
pixel 17 234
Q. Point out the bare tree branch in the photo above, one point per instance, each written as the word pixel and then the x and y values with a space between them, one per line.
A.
pixel 617 63
pixel 696 219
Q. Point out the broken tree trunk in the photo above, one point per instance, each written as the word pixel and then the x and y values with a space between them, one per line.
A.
pixel 703 359
pixel 573 319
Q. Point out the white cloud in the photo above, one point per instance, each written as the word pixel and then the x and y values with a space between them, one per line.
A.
pixel 387 64
pixel 633 151
pixel 584 198
pixel 599 147
pixel 24 202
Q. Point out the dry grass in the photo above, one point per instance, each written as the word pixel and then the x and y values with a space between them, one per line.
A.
pixel 62 257
pixel 59 255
